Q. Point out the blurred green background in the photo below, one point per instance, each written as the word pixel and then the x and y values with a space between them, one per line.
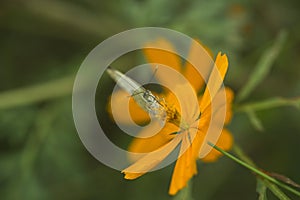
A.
pixel 42 45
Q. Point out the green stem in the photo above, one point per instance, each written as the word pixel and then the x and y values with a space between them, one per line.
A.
pixel 263 67
pixel 268 104
pixel 36 93
pixel 248 166
pixel 267 183
pixel 67 13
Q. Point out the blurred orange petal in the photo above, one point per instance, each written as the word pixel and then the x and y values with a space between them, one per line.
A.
pixel 225 142
pixel 163 57
pixel 150 160
pixel 121 113
pixel 199 57
pixel 218 106
pixel 185 167
pixel 157 147
pixel 144 144
pixel 229 100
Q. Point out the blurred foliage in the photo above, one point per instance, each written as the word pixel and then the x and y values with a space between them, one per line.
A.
pixel 44 42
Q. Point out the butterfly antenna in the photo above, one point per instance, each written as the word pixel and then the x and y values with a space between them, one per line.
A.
pixel 155 70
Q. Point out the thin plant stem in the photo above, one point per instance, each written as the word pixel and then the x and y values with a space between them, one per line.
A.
pixel 240 153
pixel 258 172
pixel 263 66
pixel 37 93
pixel 268 104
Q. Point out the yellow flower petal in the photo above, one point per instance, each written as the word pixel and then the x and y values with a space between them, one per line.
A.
pixel 199 57
pixel 159 146
pixel 215 81
pixel 225 142
pixel 218 118
pixel 218 106
pixel 229 99
pixel 188 102
pixel 163 57
pixel 150 160
pixel 122 114
pixel 185 167
pixel 144 144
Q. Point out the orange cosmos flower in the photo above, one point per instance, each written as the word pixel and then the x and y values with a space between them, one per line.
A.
pixel 175 132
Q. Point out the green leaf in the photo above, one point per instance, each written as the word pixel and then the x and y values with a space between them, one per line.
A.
pixel 276 190
pixel 247 163
pixel 67 13
pixel 263 67
pixel 37 93
pixel 255 121
pixel 268 104
pixel 261 189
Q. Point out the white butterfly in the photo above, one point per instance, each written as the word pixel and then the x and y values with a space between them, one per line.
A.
pixel 144 98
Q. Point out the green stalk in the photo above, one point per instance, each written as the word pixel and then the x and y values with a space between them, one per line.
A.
pixel 263 67
pixel 258 172
pixel 268 104
pixel 37 93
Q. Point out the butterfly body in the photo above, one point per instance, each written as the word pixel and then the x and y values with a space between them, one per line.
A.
pixel 143 97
